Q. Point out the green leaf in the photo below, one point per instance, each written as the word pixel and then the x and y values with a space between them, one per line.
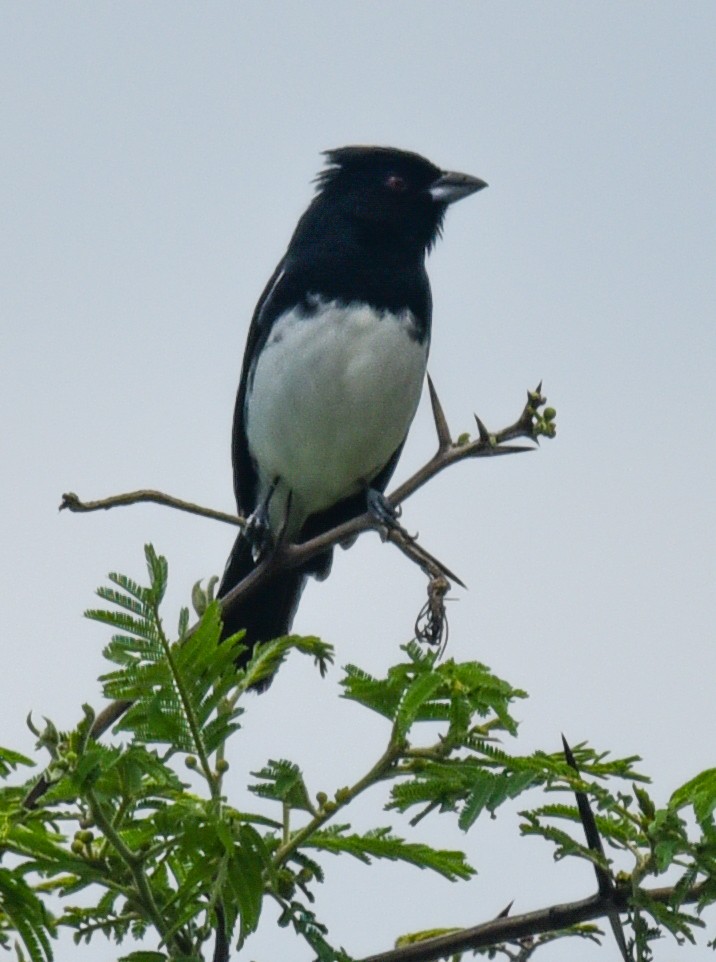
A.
pixel 418 692
pixel 248 862
pixel 179 692
pixel 10 761
pixel 565 844
pixel 268 657
pixel 370 692
pixel 27 915
pixel 306 924
pixel 379 843
pixel 144 957
pixel 158 571
pixel 700 793
pixel 679 923
pixel 283 782
pixel 477 800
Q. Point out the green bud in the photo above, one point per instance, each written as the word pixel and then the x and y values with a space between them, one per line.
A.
pixel 645 803
pixel 285 884
pixel 550 414
pixel 190 761
pixel 198 599
pixel 222 766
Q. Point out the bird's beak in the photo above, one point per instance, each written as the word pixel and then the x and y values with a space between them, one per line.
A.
pixel 450 187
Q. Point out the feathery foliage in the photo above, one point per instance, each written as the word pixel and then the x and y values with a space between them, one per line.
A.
pixel 140 830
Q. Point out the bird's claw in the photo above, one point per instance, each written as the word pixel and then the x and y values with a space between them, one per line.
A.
pixel 383 510
pixel 386 514
pixel 258 533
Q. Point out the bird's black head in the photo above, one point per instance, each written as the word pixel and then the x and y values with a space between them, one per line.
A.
pixel 384 197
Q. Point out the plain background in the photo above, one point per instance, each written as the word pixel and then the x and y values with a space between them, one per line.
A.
pixel 155 159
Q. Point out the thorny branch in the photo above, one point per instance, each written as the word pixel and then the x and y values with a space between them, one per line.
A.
pixel 605 882
pixel 535 421
pixel 513 928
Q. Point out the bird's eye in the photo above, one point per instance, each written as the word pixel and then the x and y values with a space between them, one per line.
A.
pixel 396 183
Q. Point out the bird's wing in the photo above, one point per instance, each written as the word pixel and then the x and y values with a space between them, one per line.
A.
pixel 278 295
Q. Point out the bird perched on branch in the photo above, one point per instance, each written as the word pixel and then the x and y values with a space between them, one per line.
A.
pixel 334 366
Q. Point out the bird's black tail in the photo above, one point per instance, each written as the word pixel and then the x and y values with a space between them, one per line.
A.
pixel 269 610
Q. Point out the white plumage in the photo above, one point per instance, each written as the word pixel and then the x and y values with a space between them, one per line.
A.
pixel 331 398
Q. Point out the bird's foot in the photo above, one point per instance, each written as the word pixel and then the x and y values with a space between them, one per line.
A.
pixel 385 512
pixel 381 508
pixel 257 530
pixel 258 533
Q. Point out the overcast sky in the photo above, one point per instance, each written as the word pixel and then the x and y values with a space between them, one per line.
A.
pixel 155 159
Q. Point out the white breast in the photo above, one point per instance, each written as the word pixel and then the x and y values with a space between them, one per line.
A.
pixel 332 397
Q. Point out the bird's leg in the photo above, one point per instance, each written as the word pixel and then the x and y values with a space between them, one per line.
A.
pixel 286 518
pixel 385 512
pixel 257 530
pixel 381 508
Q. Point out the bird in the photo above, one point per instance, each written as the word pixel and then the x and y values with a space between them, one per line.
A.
pixel 333 369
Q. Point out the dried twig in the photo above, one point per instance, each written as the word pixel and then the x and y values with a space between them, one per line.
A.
pixel 71 502
pixel 431 625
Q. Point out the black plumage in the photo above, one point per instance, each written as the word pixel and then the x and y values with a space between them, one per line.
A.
pixel 334 363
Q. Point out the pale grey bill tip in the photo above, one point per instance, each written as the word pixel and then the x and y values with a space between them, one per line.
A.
pixel 452 186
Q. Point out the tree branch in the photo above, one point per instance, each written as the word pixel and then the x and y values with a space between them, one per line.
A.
pixel 345 797
pixel 531 424
pixel 535 421
pixel 71 502
pixel 511 929
pixel 605 882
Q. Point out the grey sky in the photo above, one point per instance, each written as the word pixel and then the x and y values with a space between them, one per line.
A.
pixel 156 157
